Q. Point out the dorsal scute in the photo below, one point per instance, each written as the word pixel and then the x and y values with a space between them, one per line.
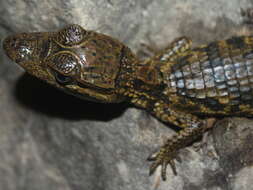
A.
pixel 214 71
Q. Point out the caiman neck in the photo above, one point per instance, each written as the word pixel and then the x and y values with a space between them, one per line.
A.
pixel 140 81
pixel 127 73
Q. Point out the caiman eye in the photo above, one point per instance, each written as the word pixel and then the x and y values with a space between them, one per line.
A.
pixel 63 66
pixel 71 35
pixel 61 79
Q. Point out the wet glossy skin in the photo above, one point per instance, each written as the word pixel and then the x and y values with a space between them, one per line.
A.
pixel 177 85
pixel 80 62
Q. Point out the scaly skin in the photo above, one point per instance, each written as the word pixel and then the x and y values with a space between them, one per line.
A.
pixel 179 85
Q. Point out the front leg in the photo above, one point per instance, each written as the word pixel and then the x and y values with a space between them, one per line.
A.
pixel 174 50
pixel 193 128
pixel 150 70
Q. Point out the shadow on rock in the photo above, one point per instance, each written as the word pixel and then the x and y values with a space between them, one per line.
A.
pixel 43 98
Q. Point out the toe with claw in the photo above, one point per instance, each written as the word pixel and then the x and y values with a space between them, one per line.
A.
pixel 163 158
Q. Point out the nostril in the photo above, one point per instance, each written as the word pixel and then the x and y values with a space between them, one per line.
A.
pixel 12 43
pixel 6 43
pixel 9 43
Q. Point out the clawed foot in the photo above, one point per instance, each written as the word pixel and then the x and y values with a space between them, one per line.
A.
pixel 169 152
pixel 163 157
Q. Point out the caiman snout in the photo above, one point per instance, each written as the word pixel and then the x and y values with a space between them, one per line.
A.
pixel 18 48
pixel 25 47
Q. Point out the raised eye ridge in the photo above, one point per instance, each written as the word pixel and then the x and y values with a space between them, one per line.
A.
pixel 71 35
pixel 64 63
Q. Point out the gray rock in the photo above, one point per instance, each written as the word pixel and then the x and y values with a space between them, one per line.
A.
pixel 234 144
pixel 49 140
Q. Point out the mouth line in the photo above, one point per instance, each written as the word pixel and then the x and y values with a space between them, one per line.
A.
pixel 82 85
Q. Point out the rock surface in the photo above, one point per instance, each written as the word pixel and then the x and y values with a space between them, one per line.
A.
pixel 49 140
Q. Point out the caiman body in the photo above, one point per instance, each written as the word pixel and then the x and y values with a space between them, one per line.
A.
pixel 179 85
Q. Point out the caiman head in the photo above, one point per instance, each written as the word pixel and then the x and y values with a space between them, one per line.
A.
pixel 80 62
